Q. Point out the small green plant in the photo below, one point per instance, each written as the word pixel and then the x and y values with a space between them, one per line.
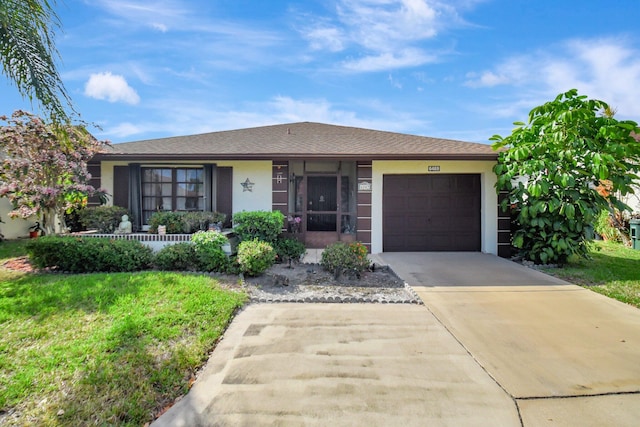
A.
pixel 262 225
pixel 345 259
pixel 289 250
pixel 208 250
pixel 172 220
pixel 89 254
pixel 177 257
pixel 604 227
pixel 105 219
pixel 255 257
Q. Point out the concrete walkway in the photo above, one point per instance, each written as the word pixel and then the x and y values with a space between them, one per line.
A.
pixel 496 344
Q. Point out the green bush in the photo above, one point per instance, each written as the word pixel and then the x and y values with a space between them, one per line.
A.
pixel 289 249
pixel 208 251
pixel 176 257
pixel 262 225
pixel 348 259
pixel 255 257
pixel 89 254
pixel 201 221
pixel 604 227
pixel 105 219
pixel 172 220
pixel 185 222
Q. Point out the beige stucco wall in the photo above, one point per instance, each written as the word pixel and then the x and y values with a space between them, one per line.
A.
pixel 13 228
pixel 258 172
pixel 488 199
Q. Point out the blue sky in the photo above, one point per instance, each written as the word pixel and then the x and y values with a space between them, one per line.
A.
pixel 460 69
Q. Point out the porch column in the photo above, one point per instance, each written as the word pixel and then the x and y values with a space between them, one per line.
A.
pixel 280 188
pixel 364 204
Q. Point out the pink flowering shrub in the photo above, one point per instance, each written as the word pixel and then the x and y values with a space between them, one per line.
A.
pixel 44 169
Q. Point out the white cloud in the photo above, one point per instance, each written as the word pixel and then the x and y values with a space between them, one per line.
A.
pixel 323 37
pixel 387 33
pixel 110 87
pixel 390 60
pixel 180 117
pixel 157 14
pixel 605 68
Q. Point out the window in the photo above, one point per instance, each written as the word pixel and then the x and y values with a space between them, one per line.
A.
pixel 171 189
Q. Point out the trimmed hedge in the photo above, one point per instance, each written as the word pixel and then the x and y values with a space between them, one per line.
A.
pixel 255 257
pixel 185 222
pixel 105 219
pixel 262 225
pixel 177 257
pixel 208 251
pixel 342 258
pixel 89 255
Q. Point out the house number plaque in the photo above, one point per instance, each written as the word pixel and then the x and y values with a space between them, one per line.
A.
pixel 433 168
pixel 364 187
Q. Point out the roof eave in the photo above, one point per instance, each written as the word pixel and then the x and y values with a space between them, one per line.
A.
pixel 305 156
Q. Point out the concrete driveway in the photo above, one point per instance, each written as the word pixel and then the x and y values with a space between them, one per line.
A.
pixel 496 344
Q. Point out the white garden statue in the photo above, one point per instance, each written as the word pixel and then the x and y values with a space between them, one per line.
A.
pixel 125 225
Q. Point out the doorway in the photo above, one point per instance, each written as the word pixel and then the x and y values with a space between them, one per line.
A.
pixel 322 203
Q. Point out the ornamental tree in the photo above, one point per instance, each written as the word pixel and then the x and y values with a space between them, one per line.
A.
pixel 44 170
pixel 552 166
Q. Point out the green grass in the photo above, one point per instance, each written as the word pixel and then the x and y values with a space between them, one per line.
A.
pixel 12 248
pixel 104 349
pixel 612 270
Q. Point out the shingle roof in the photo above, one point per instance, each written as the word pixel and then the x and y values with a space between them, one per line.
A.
pixel 301 140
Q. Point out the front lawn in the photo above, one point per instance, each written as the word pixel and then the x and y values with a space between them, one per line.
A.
pixel 612 270
pixel 103 349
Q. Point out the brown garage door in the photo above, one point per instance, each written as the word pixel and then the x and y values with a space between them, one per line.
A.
pixel 431 212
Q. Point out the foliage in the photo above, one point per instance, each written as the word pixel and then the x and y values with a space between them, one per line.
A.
pixel 604 227
pixel 201 221
pixel 208 250
pixel 172 220
pixel 262 225
pixel 185 222
pixel 255 257
pixel 28 53
pixel 289 249
pixel 177 257
pixel 105 349
pixel 342 258
pixel 40 174
pixel 103 218
pixel 551 167
pixel 89 254
pixel 12 248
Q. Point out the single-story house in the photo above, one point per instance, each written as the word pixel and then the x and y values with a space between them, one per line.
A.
pixel 391 191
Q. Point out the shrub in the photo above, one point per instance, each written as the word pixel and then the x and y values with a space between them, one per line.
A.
pixel 172 220
pixel 89 254
pixel 262 225
pixel 105 219
pixel 201 221
pixel 289 249
pixel 255 257
pixel 185 222
pixel 177 257
pixel 208 251
pixel 341 258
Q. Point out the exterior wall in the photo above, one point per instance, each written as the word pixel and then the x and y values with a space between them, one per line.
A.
pixel 488 197
pixel 258 172
pixel 13 228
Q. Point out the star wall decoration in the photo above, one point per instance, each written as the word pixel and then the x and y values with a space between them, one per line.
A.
pixel 247 185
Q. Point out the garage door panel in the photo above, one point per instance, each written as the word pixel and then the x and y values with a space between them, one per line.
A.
pixel 431 212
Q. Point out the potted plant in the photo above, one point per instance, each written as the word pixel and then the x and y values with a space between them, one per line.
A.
pixel 35 230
